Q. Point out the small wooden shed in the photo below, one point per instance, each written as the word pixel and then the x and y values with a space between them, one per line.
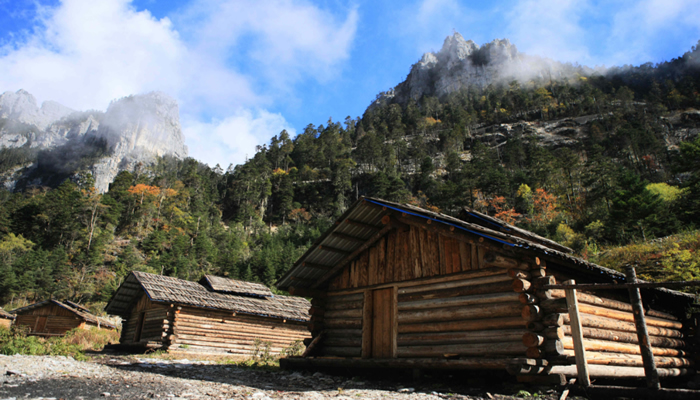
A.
pixel 213 316
pixel 6 319
pixel 394 285
pixel 55 318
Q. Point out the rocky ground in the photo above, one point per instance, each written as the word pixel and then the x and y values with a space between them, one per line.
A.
pixel 139 377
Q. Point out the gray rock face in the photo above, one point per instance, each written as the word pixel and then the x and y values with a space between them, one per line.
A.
pixel 136 129
pixel 462 63
pixel 21 107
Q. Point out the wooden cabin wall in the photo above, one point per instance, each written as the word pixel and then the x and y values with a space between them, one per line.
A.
pixel 445 298
pixel 454 297
pixel 609 333
pixel 5 323
pixel 153 318
pixel 404 255
pixel 49 320
pixel 200 330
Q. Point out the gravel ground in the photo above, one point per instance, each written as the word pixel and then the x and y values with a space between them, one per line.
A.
pixel 129 377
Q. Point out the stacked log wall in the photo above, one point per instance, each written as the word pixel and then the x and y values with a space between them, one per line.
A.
pixel 155 324
pixel 609 336
pixel 456 297
pixel 218 332
pixel 343 319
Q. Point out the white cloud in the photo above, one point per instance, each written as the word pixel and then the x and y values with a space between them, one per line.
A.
pixel 285 39
pixel 85 53
pixel 232 139
pixel 638 25
pixel 428 22
pixel 550 28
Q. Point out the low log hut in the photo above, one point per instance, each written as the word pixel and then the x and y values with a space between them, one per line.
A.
pixel 55 318
pixel 6 319
pixel 394 285
pixel 213 316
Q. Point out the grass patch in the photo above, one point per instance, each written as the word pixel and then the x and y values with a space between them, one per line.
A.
pixel 673 258
pixel 74 344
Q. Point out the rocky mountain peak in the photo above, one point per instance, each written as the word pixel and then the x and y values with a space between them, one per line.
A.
pixel 21 106
pixel 462 64
pixel 134 130
pixel 455 49
pixel 148 123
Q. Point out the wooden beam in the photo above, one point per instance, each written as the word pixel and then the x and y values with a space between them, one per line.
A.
pixel 650 371
pixel 333 250
pixel 317 266
pixel 577 336
pixel 354 254
pixel 313 344
pixel 301 280
pixel 362 225
pixel 640 285
pixel 348 237
pixel 305 292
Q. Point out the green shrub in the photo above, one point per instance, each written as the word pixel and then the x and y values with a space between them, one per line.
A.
pixel 73 344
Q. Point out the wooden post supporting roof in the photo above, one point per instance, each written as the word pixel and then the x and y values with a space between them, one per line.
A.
pixel 652 375
pixel 577 336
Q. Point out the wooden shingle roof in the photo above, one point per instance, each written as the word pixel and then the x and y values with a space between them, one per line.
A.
pixel 80 311
pixel 6 315
pixel 225 285
pixel 363 221
pixel 170 290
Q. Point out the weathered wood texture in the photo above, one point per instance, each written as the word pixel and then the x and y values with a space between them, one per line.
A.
pixel 50 320
pixel 609 336
pixel 145 323
pixel 404 255
pixel 219 332
pixel 453 297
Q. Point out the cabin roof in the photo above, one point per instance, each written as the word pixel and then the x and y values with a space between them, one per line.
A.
pixel 225 285
pixel 76 309
pixel 363 220
pixel 170 290
pixel 6 315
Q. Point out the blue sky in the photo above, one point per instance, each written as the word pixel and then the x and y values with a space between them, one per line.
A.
pixel 243 70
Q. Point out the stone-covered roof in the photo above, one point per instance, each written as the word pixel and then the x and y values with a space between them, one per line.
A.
pixel 76 309
pixel 170 290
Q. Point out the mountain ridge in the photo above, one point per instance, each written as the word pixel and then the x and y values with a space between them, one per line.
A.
pixel 462 63
pixel 133 130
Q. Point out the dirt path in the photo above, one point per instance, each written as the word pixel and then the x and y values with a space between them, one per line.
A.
pixel 44 377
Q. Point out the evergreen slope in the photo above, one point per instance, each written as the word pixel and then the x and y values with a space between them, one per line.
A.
pixel 601 160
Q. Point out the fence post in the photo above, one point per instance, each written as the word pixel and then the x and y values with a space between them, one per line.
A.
pixel 577 336
pixel 650 371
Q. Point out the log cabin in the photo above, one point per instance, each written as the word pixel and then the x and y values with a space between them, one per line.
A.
pixel 6 319
pixel 216 315
pixel 55 318
pixel 398 286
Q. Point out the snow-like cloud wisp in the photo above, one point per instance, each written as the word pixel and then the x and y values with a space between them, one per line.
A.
pixel 234 137
pixel 85 53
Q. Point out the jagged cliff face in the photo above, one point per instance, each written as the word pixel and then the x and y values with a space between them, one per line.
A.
pixel 135 129
pixel 462 63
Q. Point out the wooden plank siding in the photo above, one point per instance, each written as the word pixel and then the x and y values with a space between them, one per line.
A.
pixel 421 294
pixel 404 255
pixel 153 320
pixel 49 319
